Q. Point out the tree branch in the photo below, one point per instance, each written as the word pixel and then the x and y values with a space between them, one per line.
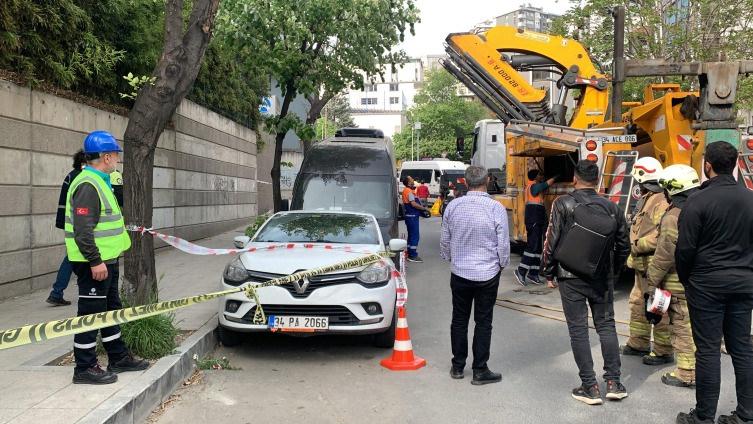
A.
pixel 173 24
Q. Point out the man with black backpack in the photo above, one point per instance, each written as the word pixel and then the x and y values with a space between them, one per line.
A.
pixel 586 245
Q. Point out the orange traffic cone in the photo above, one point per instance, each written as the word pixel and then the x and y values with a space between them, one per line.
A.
pixel 402 353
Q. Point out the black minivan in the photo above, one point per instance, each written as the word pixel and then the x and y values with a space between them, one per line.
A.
pixel 352 171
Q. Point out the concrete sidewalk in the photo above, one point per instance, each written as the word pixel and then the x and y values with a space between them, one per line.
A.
pixel 34 392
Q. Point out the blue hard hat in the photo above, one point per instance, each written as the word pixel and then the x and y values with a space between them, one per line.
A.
pixel 101 142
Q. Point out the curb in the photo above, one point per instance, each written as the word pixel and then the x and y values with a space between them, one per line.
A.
pixel 134 402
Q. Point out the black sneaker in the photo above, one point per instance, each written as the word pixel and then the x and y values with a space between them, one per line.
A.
pixel 94 375
pixel 692 418
pixel 670 379
pixel 485 377
pixel 128 363
pixel 615 390
pixel 456 373
pixel 588 395
pixel 54 301
pixel 520 278
pixel 732 418
pixel 628 350
pixel 654 359
pixel 416 259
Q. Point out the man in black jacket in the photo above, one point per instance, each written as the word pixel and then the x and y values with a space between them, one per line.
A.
pixel 65 270
pixel 598 293
pixel 714 259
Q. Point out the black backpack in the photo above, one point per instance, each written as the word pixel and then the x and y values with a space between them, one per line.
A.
pixel 585 249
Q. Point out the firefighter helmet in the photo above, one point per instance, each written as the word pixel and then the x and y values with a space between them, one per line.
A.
pixel 679 178
pixel 646 169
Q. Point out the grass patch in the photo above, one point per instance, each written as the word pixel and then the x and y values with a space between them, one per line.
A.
pixel 251 229
pixel 209 363
pixel 152 337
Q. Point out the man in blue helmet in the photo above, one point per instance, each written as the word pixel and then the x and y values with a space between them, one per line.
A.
pixel 95 237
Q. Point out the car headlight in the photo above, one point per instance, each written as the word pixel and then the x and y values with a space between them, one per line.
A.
pixel 235 273
pixel 375 273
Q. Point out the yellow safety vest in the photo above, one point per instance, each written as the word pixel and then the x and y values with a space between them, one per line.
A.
pixel 110 235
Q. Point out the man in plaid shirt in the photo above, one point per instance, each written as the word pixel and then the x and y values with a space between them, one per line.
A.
pixel 476 241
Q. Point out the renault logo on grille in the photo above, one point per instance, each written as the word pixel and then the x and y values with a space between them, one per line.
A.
pixel 301 285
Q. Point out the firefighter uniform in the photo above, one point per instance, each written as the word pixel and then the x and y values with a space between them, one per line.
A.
pixel 663 274
pixel 643 238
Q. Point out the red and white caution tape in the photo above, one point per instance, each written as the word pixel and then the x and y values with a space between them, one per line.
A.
pixel 194 249
pixel 402 286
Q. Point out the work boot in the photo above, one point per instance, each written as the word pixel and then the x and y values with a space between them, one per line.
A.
pixel 485 377
pixel 692 418
pixel 732 418
pixel 128 363
pixel 456 372
pixel 628 350
pixel 54 301
pixel 94 375
pixel 415 259
pixel 588 395
pixel 654 359
pixel 520 278
pixel 533 280
pixel 670 379
pixel 615 390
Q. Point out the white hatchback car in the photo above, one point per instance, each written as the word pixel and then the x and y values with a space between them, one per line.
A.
pixel 352 301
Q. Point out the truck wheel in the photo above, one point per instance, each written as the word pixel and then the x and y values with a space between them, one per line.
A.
pixel 228 337
pixel 387 338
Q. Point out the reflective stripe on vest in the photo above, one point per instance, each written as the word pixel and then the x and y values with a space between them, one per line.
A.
pixel 110 236
pixel 530 198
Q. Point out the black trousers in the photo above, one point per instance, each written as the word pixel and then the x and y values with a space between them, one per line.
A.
pixel 711 316
pixel 93 297
pixel 482 296
pixel 577 296
pixel 535 219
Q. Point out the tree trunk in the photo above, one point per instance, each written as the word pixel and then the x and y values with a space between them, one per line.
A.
pixel 317 103
pixel 155 104
pixel 279 137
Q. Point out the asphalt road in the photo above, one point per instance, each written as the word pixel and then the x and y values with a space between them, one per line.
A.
pixel 339 379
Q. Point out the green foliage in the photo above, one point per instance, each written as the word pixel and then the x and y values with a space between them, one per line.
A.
pixel 209 363
pixel 53 41
pixel 136 83
pixel 443 116
pixel 335 114
pixel 258 221
pixel 325 128
pixel 152 337
pixel 705 30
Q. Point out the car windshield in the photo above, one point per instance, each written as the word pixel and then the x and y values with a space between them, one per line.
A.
pixel 319 228
pixel 352 193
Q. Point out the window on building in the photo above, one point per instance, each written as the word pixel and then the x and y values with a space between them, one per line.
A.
pixel 364 101
pixel 370 87
pixel 394 100
pixel 368 100
pixel 372 100
pixel 393 86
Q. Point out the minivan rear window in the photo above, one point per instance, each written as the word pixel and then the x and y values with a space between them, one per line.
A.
pixel 424 175
pixel 352 193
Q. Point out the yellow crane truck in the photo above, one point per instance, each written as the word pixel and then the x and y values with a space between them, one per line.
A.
pixel 669 124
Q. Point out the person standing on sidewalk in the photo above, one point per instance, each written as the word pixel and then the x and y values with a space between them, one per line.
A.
pixel 422 191
pixel 644 232
pixel 680 181
pixel 714 259
pixel 413 212
pixel 476 241
pixel 64 272
pixel 578 292
pixel 95 237
pixel 535 220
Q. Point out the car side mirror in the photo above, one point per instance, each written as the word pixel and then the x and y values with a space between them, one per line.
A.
pixel 398 245
pixel 241 241
pixel 284 205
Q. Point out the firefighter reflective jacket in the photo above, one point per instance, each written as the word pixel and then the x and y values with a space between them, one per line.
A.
pixel 644 230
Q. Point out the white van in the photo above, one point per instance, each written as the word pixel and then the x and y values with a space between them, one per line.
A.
pixel 430 172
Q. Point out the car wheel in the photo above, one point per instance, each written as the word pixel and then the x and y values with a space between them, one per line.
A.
pixel 228 337
pixel 387 338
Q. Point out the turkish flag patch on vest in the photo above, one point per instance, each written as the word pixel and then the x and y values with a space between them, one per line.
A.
pixel 82 211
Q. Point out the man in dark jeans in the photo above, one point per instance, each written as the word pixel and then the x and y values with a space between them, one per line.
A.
pixel 597 293
pixel 476 241
pixel 714 259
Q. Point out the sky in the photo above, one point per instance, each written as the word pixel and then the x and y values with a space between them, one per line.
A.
pixel 442 17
